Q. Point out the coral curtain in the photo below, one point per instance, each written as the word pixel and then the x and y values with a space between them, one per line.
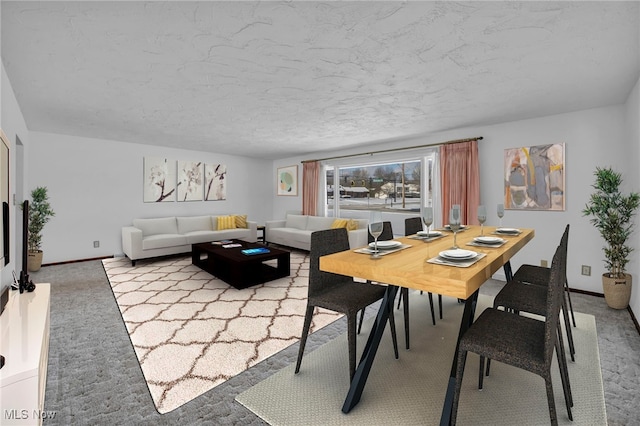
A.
pixel 310 175
pixel 460 180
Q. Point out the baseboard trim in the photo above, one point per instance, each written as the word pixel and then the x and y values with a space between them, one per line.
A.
pixel 76 261
pixel 591 293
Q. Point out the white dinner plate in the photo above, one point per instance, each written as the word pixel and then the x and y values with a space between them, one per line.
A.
pixel 488 240
pixel 508 230
pixel 429 234
pixel 386 244
pixel 458 254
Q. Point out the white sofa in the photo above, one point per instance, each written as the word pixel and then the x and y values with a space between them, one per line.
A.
pixel 295 231
pixel 172 235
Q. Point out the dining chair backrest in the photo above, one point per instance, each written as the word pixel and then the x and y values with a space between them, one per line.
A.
pixel 555 292
pixel 387 233
pixel 565 241
pixel 412 225
pixel 325 242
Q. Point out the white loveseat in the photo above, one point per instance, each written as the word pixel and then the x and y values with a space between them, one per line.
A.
pixel 172 235
pixel 295 230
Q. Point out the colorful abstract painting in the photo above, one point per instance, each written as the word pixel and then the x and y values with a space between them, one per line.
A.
pixel 287 180
pixel 190 180
pixel 215 187
pixel 159 180
pixel 534 178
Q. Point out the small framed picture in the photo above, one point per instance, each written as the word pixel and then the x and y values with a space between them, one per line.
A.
pixel 287 180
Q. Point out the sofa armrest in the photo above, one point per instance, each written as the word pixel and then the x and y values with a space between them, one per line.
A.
pixel 270 224
pixel 131 241
pixel 358 238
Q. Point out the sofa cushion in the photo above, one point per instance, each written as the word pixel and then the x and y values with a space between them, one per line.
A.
pixel 284 235
pixel 226 222
pixel 296 221
pixel 196 223
pixel 318 223
pixel 163 241
pixel 164 225
pixel 241 221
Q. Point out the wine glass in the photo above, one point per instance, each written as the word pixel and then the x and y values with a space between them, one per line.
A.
pixel 482 217
pixel 375 229
pixel 500 213
pixel 454 223
pixel 427 218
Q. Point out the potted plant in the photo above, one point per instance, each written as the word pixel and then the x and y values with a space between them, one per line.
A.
pixel 40 212
pixel 611 213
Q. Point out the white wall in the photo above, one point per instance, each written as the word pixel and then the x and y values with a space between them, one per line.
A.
pixel 95 188
pixel 13 125
pixel 595 137
pixel 633 184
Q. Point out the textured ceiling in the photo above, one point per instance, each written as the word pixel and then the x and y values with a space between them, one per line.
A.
pixel 275 79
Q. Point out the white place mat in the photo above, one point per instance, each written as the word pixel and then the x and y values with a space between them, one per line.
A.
pixel 382 252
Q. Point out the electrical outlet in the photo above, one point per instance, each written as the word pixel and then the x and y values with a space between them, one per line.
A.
pixel 96 244
pixel 544 263
pixel 586 270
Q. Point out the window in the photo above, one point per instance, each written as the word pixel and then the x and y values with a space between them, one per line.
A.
pixel 398 187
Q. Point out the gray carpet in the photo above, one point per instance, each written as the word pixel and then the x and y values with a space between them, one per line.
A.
pixel 94 377
pixel 411 389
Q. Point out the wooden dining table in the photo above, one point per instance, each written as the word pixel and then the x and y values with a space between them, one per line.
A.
pixel 409 267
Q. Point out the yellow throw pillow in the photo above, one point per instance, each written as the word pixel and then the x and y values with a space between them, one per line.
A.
pixel 339 223
pixel 226 222
pixel 352 225
pixel 241 221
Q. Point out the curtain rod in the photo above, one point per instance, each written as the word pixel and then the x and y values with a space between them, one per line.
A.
pixel 478 138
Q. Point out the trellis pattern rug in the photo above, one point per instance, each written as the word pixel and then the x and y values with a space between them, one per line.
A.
pixel 192 331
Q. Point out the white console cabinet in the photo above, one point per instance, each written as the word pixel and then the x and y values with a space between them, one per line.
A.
pixel 24 343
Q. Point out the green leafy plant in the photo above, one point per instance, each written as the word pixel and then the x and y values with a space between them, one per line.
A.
pixel 40 212
pixel 611 213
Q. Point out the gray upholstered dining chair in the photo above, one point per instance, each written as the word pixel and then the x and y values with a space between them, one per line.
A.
pixel 521 342
pixel 412 225
pixel 387 235
pixel 526 291
pixel 338 293
pixel 539 275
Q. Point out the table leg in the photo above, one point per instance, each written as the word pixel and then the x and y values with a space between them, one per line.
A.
pixel 467 320
pixel 370 349
pixel 508 273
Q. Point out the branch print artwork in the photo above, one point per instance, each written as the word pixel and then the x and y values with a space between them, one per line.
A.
pixel 215 182
pixel 190 180
pixel 159 180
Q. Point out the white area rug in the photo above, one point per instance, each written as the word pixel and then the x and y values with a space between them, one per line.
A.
pixel 191 331
pixel 411 390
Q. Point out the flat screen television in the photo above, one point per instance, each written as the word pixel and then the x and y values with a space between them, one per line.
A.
pixel 5 279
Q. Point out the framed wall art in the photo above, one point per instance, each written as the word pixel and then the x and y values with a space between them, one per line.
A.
pixel 159 180
pixel 534 177
pixel 190 180
pixel 287 180
pixel 215 187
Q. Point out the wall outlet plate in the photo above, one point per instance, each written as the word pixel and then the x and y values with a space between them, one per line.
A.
pixel 586 270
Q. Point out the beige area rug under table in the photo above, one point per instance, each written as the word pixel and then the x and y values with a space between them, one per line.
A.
pixel 192 331
pixel 410 390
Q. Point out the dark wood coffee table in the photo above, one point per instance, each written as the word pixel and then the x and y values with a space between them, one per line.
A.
pixel 238 269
